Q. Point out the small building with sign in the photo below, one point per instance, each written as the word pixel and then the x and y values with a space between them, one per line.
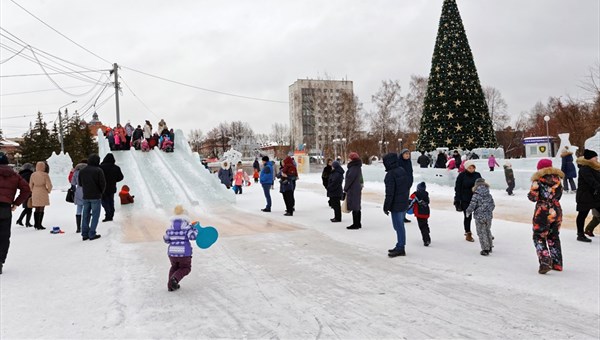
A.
pixel 539 147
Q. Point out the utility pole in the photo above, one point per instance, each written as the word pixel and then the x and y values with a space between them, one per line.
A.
pixel 115 72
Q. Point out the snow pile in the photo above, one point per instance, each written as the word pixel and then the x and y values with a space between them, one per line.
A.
pixel 232 157
pixel 594 142
pixel 60 166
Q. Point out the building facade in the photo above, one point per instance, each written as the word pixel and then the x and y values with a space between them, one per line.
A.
pixel 316 112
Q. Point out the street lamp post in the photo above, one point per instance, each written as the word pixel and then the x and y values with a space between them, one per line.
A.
pixel 335 154
pixel 546 119
pixel 399 145
pixel 381 149
pixel 18 158
pixel 60 126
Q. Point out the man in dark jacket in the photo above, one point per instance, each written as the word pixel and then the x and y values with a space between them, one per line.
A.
pixel 353 189
pixel 26 172
pixel 137 136
pixel 588 193
pixel 113 175
pixel 396 200
pixel 10 181
pixel 423 160
pixel 405 163
pixel 440 162
pixel 92 182
pixel 335 192
pixel 267 177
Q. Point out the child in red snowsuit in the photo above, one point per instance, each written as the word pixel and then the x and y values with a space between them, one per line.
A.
pixel 124 195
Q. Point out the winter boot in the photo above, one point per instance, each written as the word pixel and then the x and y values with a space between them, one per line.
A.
pixel 469 237
pixel 173 284
pixel 395 253
pixel 355 221
pixel 36 220
pixel 544 269
pixel 484 252
pixel 78 221
pixel 41 217
pixel 28 220
pixel 582 238
pixel 557 267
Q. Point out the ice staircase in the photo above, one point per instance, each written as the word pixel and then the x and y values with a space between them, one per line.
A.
pixel 162 180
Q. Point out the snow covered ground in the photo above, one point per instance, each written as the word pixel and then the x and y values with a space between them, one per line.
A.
pixel 299 277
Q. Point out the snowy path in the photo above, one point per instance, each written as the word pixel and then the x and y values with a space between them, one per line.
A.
pixel 265 280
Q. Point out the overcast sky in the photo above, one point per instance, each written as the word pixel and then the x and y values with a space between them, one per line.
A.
pixel 528 49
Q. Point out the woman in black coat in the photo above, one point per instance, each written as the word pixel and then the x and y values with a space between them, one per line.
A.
pixel 335 192
pixel 440 162
pixel 353 189
pixel 326 172
pixel 588 193
pixel 463 192
pixel 26 172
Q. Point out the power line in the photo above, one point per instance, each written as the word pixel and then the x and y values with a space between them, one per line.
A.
pixel 33 60
pixel 36 91
pixel 14 55
pixel 50 73
pixel 205 89
pixel 62 35
pixel 138 98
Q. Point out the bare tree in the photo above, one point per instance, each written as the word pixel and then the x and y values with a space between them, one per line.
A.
pixel 239 130
pixel 280 133
pixel 591 83
pixel 195 139
pixel 497 107
pixel 414 102
pixel 350 116
pixel 388 103
pixel 262 138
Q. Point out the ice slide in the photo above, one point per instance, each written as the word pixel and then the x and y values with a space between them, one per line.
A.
pixel 162 180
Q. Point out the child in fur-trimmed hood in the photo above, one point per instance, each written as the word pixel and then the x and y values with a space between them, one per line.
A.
pixel 546 191
pixel 482 207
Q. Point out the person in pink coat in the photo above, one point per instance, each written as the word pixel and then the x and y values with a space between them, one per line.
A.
pixel 492 162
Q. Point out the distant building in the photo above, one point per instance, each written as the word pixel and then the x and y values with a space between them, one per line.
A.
pixel 95 124
pixel 315 112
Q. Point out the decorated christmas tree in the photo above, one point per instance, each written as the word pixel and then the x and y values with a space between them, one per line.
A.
pixel 455 114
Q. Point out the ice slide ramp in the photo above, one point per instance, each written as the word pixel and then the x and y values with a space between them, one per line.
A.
pixel 162 180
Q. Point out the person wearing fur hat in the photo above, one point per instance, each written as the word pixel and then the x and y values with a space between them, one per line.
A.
pixel 420 204
pixel 335 191
pixel 226 175
pixel 463 192
pixel 509 175
pixel 482 208
pixel 26 172
pixel 10 182
pixel 288 174
pixel 588 194
pixel 178 237
pixel 568 168
pixel 546 192
pixel 353 189
pixel 41 187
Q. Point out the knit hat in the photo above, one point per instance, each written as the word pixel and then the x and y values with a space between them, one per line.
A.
pixel 178 210
pixel 353 156
pixel 3 159
pixel 469 163
pixel 544 163
pixel 589 154
pixel 479 181
pixel 421 186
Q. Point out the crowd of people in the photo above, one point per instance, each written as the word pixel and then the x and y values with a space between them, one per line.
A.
pixel 141 138
pixel 94 185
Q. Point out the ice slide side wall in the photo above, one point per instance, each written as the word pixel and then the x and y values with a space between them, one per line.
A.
pixel 162 180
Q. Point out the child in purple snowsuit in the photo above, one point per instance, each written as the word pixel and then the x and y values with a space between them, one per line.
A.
pixel 178 237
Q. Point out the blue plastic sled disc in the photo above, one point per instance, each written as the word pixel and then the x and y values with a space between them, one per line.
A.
pixel 207 236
